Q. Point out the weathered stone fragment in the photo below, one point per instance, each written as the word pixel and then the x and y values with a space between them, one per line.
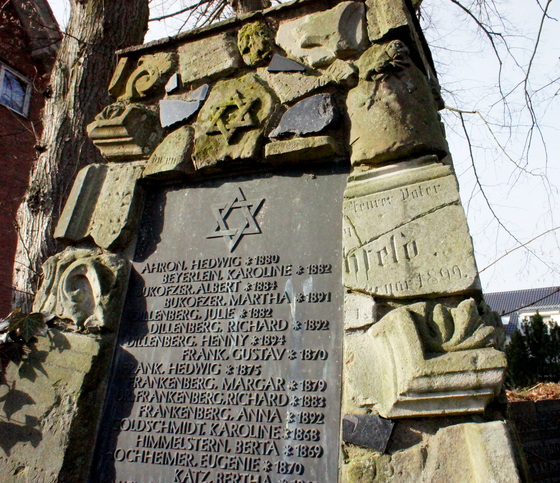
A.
pixel 172 156
pixel 384 16
pixel 319 38
pixel 279 63
pixel 208 58
pixel 367 430
pixel 85 287
pixel 430 453
pixel 173 83
pixel 80 205
pixel 125 132
pixel 475 451
pixel 302 149
pixel 392 19
pixel 294 86
pixel 308 116
pixel 174 111
pixel 359 310
pixel 254 41
pixel 393 116
pixel 120 76
pixel 51 409
pixel 405 233
pixel 199 94
pixel 402 373
pixel 103 205
pixel 230 125
pixel 151 74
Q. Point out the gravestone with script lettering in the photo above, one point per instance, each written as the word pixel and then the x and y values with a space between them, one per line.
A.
pixel 271 279
pixel 229 363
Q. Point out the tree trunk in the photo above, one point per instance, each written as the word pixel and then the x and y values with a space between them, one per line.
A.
pixel 246 6
pixel 78 87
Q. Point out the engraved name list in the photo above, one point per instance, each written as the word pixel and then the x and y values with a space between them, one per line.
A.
pixel 228 362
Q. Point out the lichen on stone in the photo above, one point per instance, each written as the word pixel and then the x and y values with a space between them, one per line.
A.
pixel 254 42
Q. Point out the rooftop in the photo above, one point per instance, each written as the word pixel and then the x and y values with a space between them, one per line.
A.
pixel 511 302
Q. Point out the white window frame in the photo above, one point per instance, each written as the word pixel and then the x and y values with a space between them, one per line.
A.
pixel 27 100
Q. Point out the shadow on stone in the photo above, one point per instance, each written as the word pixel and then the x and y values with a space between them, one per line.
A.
pixel 13 433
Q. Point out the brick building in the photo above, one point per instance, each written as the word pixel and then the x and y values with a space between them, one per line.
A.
pixel 29 38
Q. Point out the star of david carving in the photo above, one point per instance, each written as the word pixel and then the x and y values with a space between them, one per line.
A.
pixel 232 114
pixel 248 225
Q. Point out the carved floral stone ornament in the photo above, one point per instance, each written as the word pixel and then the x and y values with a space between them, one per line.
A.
pixel 83 286
pixel 427 359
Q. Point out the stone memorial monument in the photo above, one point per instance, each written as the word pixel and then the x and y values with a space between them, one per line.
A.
pixel 271 278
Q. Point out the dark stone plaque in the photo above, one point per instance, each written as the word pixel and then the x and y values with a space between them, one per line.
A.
pixel 229 357
pixel 367 430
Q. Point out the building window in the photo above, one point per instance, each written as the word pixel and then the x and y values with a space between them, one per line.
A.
pixel 15 90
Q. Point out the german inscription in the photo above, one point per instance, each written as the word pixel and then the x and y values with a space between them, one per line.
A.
pixel 228 362
pixel 404 235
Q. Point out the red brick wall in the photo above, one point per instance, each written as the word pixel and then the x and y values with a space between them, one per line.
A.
pixel 18 136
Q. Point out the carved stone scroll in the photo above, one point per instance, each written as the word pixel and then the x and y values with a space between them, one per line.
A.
pixel 136 80
pixel 85 287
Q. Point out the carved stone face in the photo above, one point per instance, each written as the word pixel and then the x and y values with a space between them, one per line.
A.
pixel 254 42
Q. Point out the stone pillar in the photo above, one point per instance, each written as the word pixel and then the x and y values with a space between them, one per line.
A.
pixel 305 88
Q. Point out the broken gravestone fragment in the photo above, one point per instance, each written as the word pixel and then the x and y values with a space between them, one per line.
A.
pixel 427 359
pixel 384 16
pixel 209 58
pixel 359 310
pixel 85 287
pixel 308 116
pixel 393 19
pixel 481 451
pixel 393 114
pixel 172 156
pixel 40 428
pixel 173 84
pixel 173 111
pixel 406 234
pixel 476 451
pixel 302 149
pixel 125 132
pixel 231 124
pixel 279 63
pixel 293 86
pixel 367 430
pixel 103 205
pixel 199 94
pixel 254 41
pixel 320 38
